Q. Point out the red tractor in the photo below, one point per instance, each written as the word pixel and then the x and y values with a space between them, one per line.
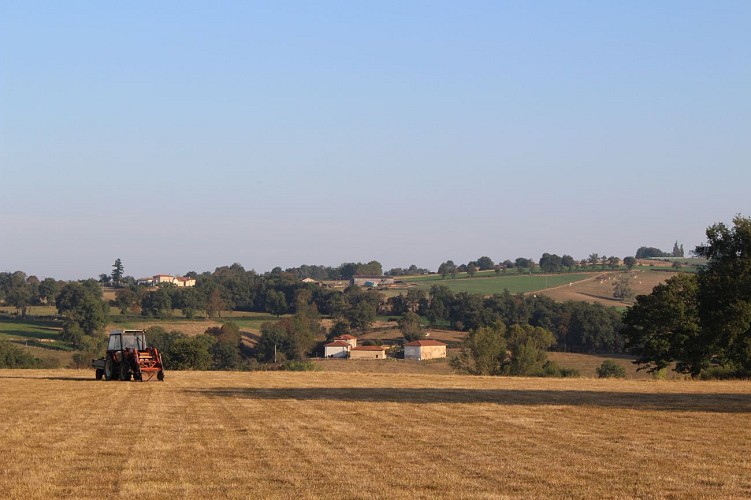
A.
pixel 129 356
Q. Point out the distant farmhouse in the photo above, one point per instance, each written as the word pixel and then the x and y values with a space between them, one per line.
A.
pixel 157 279
pixel 371 281
pixel 367 352
pixel 424 349
pixel 336 349
pixel 346 347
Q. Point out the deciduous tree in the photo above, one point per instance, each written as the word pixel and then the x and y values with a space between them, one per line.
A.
pixel 409 325
pixel 725 292
pixel 663 327
pixel 118 271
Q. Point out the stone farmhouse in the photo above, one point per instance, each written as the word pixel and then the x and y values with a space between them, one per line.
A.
pixel 367 352
pixel 424 349
pixel 345 346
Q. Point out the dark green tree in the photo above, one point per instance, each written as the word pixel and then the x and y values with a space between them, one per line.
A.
pixel 725 292
pixel 19 294
pixel 292 337
pixel 339 328
pixel 438 304
pixel 594 258
pixel 483 352
pixel 650 253
pixel 485 263
pixel 81 303
pixel 409 325
pixel 550 263
pixel 118 271
pixel 48 289
pixel 276 302
pixel 629 262
pixel 125 299
pixel 528 346
pixel 226 352
pixel 189 353
pixel 189 300
pixel 568 261
pixel 447 268
pixel 522 263
pixel 158 303
pixel 663 327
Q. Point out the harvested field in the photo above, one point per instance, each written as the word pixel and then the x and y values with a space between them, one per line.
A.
pixel 330 434
pixel 599 288
pixel 588 363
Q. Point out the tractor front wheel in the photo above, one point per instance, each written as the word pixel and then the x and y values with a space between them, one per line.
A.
pixel 124 370
pixel 99 374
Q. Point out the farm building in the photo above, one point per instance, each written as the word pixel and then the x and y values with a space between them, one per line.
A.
pixel 336 349
pixel 367 352
pixel 157 279
pixel 349 339
pixel 424 349
pixel 370 281
pixel 183 281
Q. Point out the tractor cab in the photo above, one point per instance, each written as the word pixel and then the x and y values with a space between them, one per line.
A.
pixel 127 339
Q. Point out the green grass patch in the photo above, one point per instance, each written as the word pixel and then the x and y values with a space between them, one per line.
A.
pixel 251 321
pixel 33 332
pixel 488 285
pixel 31 310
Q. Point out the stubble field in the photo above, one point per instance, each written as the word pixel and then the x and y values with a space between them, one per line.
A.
pixel 355 435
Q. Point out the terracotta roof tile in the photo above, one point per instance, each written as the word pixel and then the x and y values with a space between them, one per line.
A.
pixel 425 343
pixel 337 343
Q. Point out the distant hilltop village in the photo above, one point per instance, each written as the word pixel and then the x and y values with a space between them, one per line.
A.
pixel 157 279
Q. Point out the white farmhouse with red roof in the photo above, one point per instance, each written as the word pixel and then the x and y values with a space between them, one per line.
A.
pixel 349 339
pixel 424 349
pixel 336 349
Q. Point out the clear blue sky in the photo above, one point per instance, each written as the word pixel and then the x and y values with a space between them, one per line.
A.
pixel 183 136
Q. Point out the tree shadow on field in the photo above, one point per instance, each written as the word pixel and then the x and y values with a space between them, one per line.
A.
pixel 32 377
pixel 706 402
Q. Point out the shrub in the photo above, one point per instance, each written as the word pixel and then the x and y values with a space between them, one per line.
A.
pixel 552 369
pixel 14 357
pixel 301 366
pixel 722 372
pixel 611 369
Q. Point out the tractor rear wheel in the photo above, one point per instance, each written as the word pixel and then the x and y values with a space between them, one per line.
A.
pixel 160 375
pixel 109 369
pixel 124 371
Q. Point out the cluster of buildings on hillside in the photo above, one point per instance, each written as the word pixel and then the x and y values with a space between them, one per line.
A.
pixel 346 347
pixel 365 281
pixel 181 281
